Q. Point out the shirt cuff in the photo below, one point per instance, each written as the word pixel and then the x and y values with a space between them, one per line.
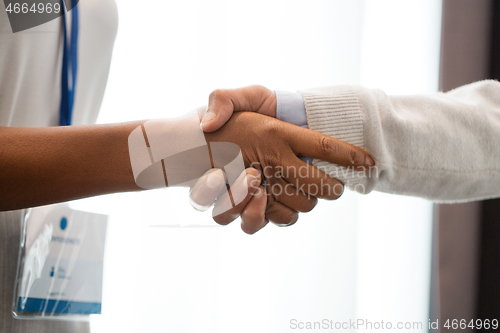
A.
pixel 290 107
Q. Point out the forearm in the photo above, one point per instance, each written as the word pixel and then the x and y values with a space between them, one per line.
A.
pixel 445 147
pixel 46 165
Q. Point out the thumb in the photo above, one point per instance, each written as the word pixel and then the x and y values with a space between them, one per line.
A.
pixel 222 104
pixel 220 109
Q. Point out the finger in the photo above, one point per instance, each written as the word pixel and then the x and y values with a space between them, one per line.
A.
pixel 253 216
pixel 281 215
pixel 310 180
pixel 290 196
pixel 248 182
pixel 223 102
pixel 313 144
pixel 206 190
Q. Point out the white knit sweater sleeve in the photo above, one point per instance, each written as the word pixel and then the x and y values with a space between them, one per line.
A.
pixel 442 146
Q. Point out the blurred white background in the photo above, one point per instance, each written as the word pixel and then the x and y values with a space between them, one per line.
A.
pixel 359 257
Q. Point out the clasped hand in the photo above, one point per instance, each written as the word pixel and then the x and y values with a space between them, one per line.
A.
pixel 280 184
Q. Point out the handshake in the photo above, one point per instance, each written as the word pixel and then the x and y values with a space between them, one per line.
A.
pixel 254 164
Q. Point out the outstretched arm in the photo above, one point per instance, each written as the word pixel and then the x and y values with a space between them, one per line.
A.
pixel 53 164
pixel 47 165
pixel 441 146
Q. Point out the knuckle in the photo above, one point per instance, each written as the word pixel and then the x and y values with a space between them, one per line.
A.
pixel 216 94
pixel 272 160
pixel 272 128
pixel 259 87
pixel 357 157
pixel 327 147
pixel 352 157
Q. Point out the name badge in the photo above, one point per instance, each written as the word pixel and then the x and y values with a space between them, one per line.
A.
pixel 60 267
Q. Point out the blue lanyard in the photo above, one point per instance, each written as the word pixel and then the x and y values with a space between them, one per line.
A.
pixel 69 65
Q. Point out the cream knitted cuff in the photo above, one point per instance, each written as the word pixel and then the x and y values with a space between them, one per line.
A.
pixel 336 112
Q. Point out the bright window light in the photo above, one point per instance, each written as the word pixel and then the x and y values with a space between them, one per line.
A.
pixel 361 256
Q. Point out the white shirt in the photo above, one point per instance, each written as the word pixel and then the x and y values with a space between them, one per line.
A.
pixel 30 94
pixel 31 62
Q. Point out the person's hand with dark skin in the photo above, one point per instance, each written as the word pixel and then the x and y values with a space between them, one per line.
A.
pixel 272 146
pixel 254 210
pixel 42 166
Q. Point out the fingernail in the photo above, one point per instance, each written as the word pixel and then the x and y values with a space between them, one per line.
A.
pixel 208 117
pixel 369 162
pixel 251 181
pixel 254 173
pixel 215 180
